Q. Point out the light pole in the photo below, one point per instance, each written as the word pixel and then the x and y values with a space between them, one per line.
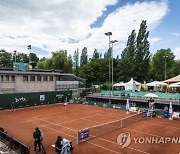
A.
pixel 109 34
pixel 15 57
pixel 112 42
pixel 14 62
pixel 165 66
pixel 29 48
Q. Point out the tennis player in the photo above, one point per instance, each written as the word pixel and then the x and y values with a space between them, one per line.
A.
pixel 65 105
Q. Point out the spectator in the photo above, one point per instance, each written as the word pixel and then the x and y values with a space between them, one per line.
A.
pixel 58 145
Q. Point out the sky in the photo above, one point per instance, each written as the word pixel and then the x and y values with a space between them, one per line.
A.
pixel 52 25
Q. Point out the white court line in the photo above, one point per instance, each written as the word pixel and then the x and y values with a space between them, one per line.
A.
pixel 87 141
pixel 117 144
pixel 102 113
pixel 93 143
pixel 75 138
pixel 55 113
pixel 126 147
pixel 55 130
pixel 103 147
pixel 77 119
pixel 158 124
pixel 57 124
pixel 45 116
pixel 142 132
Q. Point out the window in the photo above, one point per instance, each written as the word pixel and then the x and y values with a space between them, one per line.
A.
pixel 39 78
pixel 45 78
pixel 2 78
pixel 50 78
pixel 32 78
pixel 25 78
pixel 13 78
pixel 7 78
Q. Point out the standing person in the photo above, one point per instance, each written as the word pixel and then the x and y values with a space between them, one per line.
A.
pixel 58 145
pixel 65 105
pixel 12 107
pixel 38 137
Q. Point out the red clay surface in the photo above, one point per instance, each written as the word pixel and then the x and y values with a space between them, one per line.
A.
pixel 55 120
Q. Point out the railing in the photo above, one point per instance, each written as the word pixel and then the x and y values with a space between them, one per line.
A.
pixel 136 98
pixel 13 144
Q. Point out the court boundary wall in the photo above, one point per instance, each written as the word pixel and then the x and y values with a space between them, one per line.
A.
pixel 34 98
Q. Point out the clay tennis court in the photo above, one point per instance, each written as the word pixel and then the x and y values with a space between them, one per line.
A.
pixel 55 120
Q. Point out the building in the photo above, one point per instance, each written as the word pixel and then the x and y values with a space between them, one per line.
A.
pixel 37 80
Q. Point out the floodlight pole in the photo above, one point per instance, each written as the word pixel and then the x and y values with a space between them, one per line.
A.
pixel 165 66
pixel 15 56
pixel 29 48
pixel 109 34
pixel 112 42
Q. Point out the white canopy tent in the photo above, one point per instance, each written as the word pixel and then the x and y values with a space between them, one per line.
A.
pixel 175 85
pixel 156 84
pixel 151 95
pixel 133 85
pixel 121 84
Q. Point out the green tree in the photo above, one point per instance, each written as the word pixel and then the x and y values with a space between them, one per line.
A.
pixel 176 68
pixel 76 61
pixel 95 72
pixel 96 54
pixel 6 59
pixel 157 69
pixel 84 57
pixel 21 57
pixel 126 64
pixel 34 59
pixel 142 54
pixel 69 64
pixel 41 63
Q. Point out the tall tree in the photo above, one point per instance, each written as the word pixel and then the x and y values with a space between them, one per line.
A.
pixel 76 61
pixel 70 64
pixel 126 64
pixel 142 53
pixel 96 54
pixel 34 59
pixel 84 57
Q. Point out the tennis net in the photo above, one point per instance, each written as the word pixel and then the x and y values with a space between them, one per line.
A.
pixel 105 128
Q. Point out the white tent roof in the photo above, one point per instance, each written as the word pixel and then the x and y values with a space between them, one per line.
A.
pixel 119 84
pixel 174 79
pixel 156 83
pixel 133 85
pixel 133 81
pixel 151 95
pixel 177 84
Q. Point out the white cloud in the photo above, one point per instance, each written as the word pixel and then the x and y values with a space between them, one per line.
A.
pixel 154 40
pixel 52 23
pixel 176 52
pixel 176 34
